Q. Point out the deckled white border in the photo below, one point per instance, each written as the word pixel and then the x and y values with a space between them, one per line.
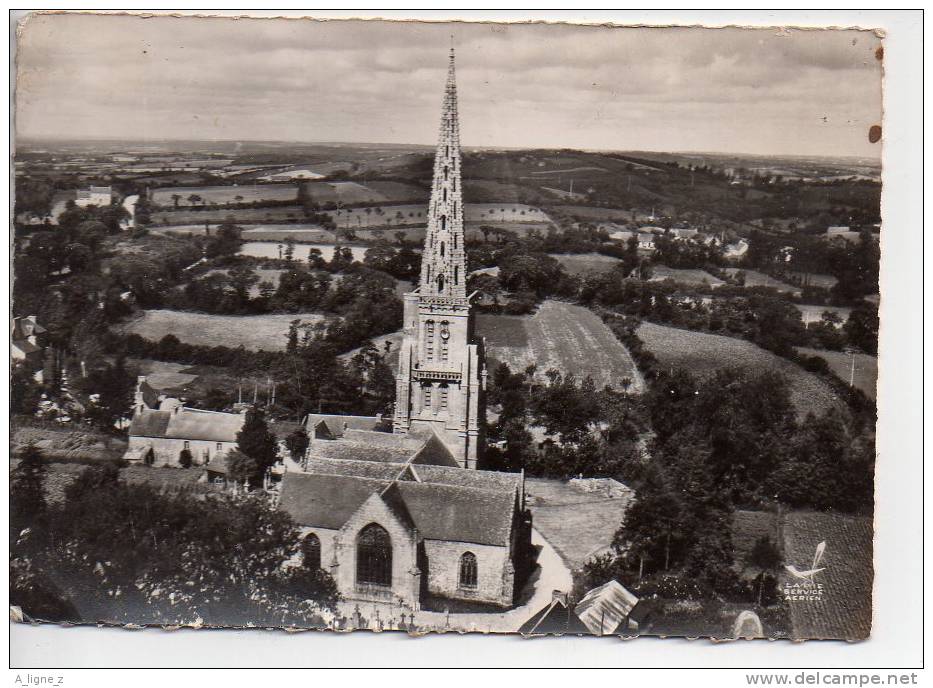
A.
pixel 897 624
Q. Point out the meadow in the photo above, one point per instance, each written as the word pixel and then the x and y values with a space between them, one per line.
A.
pixel 367 192
pixel 253 332
pixel 753 278
pixel 703 354
pixel 578 525
pixel 241 216
pixel 659 273
pixel 586 263
pixel 563 336
pixel 840 363
pixel 225 194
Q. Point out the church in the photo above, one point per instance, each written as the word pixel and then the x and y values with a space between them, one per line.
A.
pixel 405 514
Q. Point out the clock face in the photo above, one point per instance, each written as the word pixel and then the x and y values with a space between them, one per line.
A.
pixel 445 333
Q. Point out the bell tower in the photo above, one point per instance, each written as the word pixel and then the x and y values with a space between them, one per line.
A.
pixel 441 379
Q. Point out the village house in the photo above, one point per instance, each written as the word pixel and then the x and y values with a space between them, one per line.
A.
pixel 27 344
pixel 163 427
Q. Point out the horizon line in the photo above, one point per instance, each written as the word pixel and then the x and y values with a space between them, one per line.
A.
pixel 90 139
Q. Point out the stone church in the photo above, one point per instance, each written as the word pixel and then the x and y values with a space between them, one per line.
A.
pixel 403 515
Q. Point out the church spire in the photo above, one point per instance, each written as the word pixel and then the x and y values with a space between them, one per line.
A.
pixel 443 262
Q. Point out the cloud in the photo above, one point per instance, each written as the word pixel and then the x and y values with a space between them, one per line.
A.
pixel 532 85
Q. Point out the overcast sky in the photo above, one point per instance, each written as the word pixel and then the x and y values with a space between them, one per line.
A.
pixel 548 86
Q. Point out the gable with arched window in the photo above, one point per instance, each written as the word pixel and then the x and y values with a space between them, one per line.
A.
pixel 468 570
pixel 374 556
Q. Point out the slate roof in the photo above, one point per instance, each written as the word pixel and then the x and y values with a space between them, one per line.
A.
pixel 187 424
pixel 435 452
pixel 439 512
pixel 336 424
pixel 439 475
pixel 25 346
pixel 23 327
pixel 149 423
pixel 554 619
pixel 358 451
pixel 605 608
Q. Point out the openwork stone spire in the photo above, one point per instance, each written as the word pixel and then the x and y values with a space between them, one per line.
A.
pixel 443 263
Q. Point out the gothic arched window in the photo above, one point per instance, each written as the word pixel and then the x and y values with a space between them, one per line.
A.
pixel 443 222
pixel 311 551
pixel 440 284
pixel 468 572
pixel 445 195
pixel 442 249
pixel 443 394
pixel 446 171
pixel 374 556
pixel 456 274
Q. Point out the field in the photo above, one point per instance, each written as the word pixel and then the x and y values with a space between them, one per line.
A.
pixel 586 263
pixel 585 212
pixel 60 475
pixel 702 354
pixel 660 273
pixel 67 444
pixel 578 525
pixel 840 363
pixel 753 278
pixel 370 192
pixel 242 216
pixel 264 232
pixel 253 332
pixel 843 609
pixel 162 375
pixel 569 338
pixel 225 194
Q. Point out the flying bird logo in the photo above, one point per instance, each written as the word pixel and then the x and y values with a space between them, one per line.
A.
pixel 814 567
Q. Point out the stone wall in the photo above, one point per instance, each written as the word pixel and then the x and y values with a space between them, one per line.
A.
pixel 495 574
pixel 167 451
pixel 406 574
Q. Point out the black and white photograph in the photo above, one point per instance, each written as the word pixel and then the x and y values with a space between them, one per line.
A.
pixel 543 329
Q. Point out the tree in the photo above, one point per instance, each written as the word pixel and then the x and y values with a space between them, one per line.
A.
pixel 27 485
pixel 242 279
pixel 862 328
pixel 25 392
pixel 297 443
pixel 184 458
pixel 114 387
pixel 256 442
pixel 766 558
pixel 241 467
